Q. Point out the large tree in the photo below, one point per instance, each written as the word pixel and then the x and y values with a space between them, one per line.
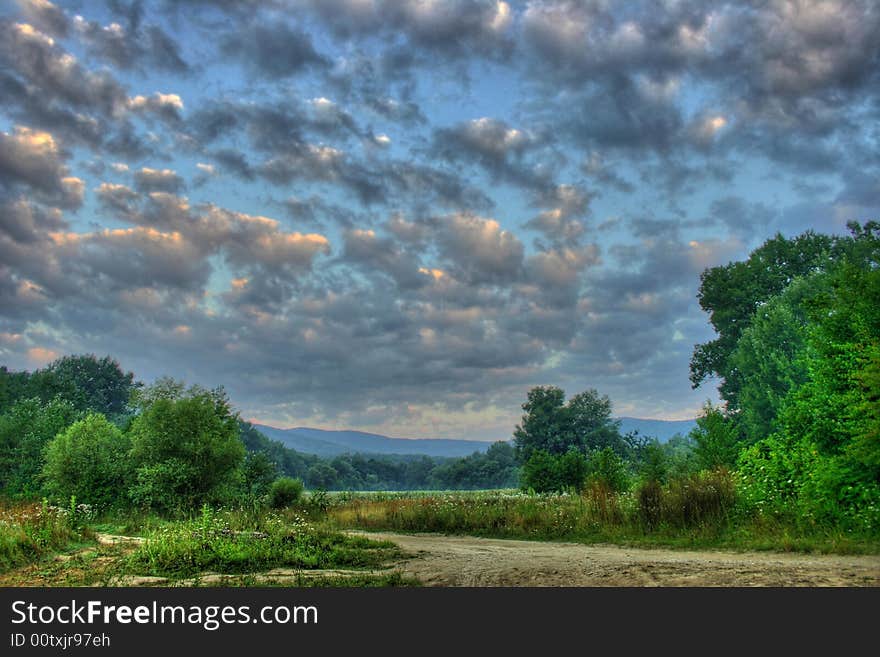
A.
pixel 732 293
pixel 551 425
pixel 186 449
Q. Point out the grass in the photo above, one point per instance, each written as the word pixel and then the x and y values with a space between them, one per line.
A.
pixel 698 512
pixel 30 531
pixel 226 542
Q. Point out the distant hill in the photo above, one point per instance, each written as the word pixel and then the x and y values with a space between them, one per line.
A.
pixel 662 430
pixel 334 443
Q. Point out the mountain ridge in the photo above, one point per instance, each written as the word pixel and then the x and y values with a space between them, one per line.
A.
pixel 328 442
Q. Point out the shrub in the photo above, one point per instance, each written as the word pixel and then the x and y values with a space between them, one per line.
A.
pixel 25 429
pixel 186 449
pixel 699 500
pixel 284 492
pixel 650 497
pixel 609 470
pixel 544 472
pixel 88 461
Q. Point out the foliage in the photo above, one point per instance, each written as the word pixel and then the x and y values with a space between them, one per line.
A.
pixel 285 492
pixel 89 383
pixel 25 429
pixel 29 531
pixel 556 427
pixel 717 440
pixel 186 450
pixel 89 461
pixel 605 467
pixel 545 472
pixel 215 542
pixel 731 293
pixel 259 473
pixel 769 356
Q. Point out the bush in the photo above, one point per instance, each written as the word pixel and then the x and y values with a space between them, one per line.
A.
pixel 186 449
pixel 699 500
pixel 284 492
pixel 608 469
pixel 650 497
pixel 88 461
pixel 25 429
pixel 544 472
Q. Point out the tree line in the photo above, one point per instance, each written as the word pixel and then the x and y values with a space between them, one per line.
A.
pixel 797 355
pixel 83 427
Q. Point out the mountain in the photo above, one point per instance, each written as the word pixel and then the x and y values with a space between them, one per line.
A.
pixel 662 430
pixel 333 443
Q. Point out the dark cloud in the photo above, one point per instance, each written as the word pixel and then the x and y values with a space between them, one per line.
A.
pixel 273 50
pixel 455 28
pixel 496 146
pixel 480 248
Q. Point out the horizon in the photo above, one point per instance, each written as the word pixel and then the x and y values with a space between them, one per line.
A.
pixel 402 216
pixel 258 424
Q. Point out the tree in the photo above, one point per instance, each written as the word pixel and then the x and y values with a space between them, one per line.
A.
pixel 322 476
pixel 544 472
pixel 556 427
pixel 717 439
pixel 89 460
pixel 544 425
pixel 769 356
pixel 732 293
pixel 25 429
pixel 95 384
pixel 186 450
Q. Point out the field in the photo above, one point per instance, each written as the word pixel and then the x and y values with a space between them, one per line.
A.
pixel 697 536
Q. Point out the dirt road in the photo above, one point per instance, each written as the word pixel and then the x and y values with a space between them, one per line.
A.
pixel 466 561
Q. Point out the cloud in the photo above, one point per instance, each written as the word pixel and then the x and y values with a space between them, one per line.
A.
pixel 273 50
pixel 133 46
pixel 455 28
pixel 41 62
pixel 479 247
pixel 164 106
pixel 158 180
pixel 33 159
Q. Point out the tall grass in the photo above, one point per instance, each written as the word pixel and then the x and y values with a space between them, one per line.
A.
pixel 28 531
pixel 242 542
pixel 700 510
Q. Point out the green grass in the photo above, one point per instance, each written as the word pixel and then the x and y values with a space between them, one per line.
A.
pixel 699 512
pixel 229 542
pixel 30 531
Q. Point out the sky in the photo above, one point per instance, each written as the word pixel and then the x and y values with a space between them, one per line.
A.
pixel 400 215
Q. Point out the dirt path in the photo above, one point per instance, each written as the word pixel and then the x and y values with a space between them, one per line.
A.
pixel 466 561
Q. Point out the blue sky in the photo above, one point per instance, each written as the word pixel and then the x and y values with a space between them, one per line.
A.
pixel 400 215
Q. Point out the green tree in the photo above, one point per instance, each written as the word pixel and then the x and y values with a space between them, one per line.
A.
pixel 732 293
pixel 259 473
pixel 25 429
pixel 554 426
pixel 717 439
pixel 769 356
pixel 89 460
pixel 323 476
pixel 186 450
pixel 544 472
pixel 284 492
pixel 605 467
pixel 95 384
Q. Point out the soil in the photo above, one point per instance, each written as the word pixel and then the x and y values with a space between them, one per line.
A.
pixel 467 561
pixel 439 560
